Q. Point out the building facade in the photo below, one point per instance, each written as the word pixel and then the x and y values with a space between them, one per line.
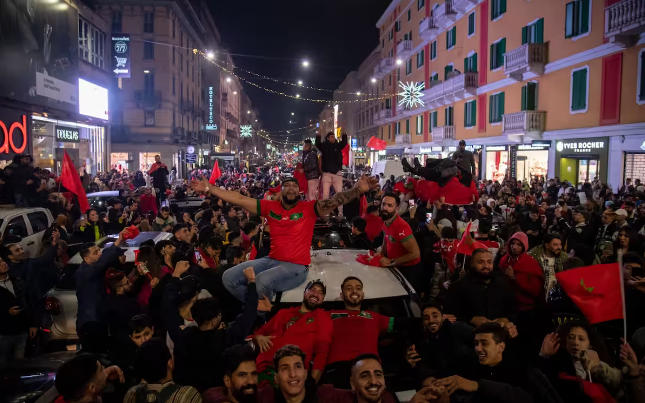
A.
pixel 366 126
pixel 535 88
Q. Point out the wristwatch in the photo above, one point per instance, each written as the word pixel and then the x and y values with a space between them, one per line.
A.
pixel 392 262
pixel 208 188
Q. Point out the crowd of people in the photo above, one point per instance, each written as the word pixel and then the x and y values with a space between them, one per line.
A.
pixel 194 320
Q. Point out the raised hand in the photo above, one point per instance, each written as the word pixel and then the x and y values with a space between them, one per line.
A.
pixel 550 345
pixel 412 356
pixel 264 304
pixel 366 183
pixel 264 343
pixel 199 185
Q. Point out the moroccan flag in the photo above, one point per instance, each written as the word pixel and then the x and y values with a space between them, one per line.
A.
pixel 215 175
pixel 467 244
pixel 596 290
pixel 362 209
pixel 376 144
pixel 254 253
pixel 70 179
pixel 345 152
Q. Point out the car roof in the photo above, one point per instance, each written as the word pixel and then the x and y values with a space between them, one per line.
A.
pixel 132 244
pixel 332 266
pixel 11 211
pixel 109 193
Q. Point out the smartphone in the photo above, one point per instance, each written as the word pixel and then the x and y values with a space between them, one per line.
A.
pixel 428 217
pixel 411 203
pixel 607 246
pixel 198 256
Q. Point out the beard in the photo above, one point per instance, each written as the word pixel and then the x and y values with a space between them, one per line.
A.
pixel 311 306
pixel 288 200
pixel 350 302
pixel 386 215
pixel 242 397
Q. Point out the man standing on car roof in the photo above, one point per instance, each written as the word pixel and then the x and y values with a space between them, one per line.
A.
pixel 292 225
pixel 159 173
pixel 306 326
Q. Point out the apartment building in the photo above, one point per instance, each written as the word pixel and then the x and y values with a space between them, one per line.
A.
pixel 367 110
pixel 548 87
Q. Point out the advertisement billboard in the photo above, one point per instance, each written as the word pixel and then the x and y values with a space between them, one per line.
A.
pixel 13 133
pixel 93 100
pixel 120 55
pixel 39 48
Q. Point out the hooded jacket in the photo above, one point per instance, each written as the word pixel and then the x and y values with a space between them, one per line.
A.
pixel 332 154
pixel 310 163
pixel 528 281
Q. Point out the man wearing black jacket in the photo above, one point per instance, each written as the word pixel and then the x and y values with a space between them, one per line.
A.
pixel 332 163
pixel 360 239
pixel 159 173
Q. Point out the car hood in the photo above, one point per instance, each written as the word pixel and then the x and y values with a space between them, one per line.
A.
pixel 332 266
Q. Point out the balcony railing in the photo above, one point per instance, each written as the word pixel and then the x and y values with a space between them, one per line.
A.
pixel 434 94
pixel 383 68
pixel 384 114
pixel 525 123
pixel 528 58
pixel 624 22
pixel 462 5
pixel 148 99
pixel 427 29
pixel 231 133
pixel 403 139
pixel 443 134
pixel 461 86
pixel 445 14
pixel 404 49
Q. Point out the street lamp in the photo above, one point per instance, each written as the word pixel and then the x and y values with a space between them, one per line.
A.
pixel 373 80
pixel 228 79
pixel 305 63
pixel 297 95
pixel 292 113
pixel 358 93
pixel 399 62
pixel 299 82
pixel 210 55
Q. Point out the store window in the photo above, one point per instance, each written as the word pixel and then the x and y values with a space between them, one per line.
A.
pixel 146 160
pixel 635 166
pixel 496 163
pixel 532 163
pixel 91 43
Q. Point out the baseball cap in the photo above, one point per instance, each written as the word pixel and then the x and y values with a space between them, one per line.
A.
pixel 314 282
pixel 621 211
pixel 290 179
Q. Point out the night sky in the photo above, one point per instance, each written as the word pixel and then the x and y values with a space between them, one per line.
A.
pixel 273 37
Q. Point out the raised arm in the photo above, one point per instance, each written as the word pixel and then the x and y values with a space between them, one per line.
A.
pixel 364 184
pixel 235 198
pixel 318 142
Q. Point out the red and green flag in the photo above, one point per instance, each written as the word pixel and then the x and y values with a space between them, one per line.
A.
pixel 596 290
pixel 467 245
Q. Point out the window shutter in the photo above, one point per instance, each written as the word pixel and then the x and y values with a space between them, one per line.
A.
pixel 641 92
pixel 407 126
pixel 524 97
pixel 501 106
pixel 502 6
pixel 569 24
pixel 525 35
pixel 420 125
pixel 583 89
pixel 435 119
pixel 584 16
pixel 409 14
pixel 450 116
pixel 445 117
pixel 466 65
pixel 491 102
pixel 466 114
pixel 575 91
pixel 492 56
pixel 473 113
pixel 473 63
pixel 493 9
pixel 539 31
pixel 501 51
pixel 531 96
pixel 454 35
pixel 471 23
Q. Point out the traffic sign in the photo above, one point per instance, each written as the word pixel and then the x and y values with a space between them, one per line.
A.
pixel 191 158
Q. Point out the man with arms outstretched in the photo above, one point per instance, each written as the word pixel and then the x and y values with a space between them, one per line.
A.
pixel 292 226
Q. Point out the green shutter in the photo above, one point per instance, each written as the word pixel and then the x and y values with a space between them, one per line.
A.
pixel 523 107
pixel 492 56
pixel 466 65
pixel 501 106
pixel 525 35
pixel 539 31
pixel 490 108
pixel 501 50
pixel 466 114
pixel 473 113
pixel 420 125
pixel 445 117
pixel 583 27
pixel 447 39
pixel 570 20
pixel 531 96
pixel 435 119
pixel 641 92
pixel 471 24
pixel 473 63
pixel 407 126
pixel 493 9
pixel 409 14
pixel 502 6
pixel 454 35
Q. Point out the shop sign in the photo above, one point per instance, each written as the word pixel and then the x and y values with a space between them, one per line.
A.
pixel 67 134
pixel 579 147
pixel 436 149
pixel 425 150
pixel 354 143
pixel 531 147
pixel 121 55
pixel 496 148
pixel 643 146
pixel 452 149
pixel 211 119
pixel 541 143
pixel 191 158
pixel 513 162
pixel 8 130
pixel 473 148
pixel 93 100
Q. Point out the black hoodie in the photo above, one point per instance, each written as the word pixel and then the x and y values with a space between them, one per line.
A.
pixel 332 155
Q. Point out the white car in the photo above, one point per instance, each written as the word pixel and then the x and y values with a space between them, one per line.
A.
pixel 28 224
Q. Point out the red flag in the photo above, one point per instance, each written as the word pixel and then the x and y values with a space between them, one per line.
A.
pixel 254 253
pixel 345 152
pixel 376 144
pixel 70 179
pixel 467 244
pixel 362 209
pixel 596 290
pixel 215 175
pixel 454 192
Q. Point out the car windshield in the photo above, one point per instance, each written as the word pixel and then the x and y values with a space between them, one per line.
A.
pixel 130 243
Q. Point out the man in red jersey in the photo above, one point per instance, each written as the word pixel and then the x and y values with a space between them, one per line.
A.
pixel 306 326
pixel 400 249
pixel 292 227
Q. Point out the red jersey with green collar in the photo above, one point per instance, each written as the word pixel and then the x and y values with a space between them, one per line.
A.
pixel 291 230
pixel 356 333
pixel 311 331
pixel 395 233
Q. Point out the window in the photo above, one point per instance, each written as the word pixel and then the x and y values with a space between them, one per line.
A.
pixel 496 110
pixel 433 120
pixel 497 51
pixel 409 15
pixel 640 96
pixel 577 19
pixel 451 37
pixel 470 64
pixel 149 21
pixel 408 67
pixel 149 118
pixel 382 43
pixel 390 80
pixel 579 89
pixel 421 58
pixel 434 76
pixel 497 9
pixel 529 97
pixel 16 227
pixel 181 62
pixel 446 70
pixel 149 83
pixel 91 43
pixel 471 24
pixel 407 126
pixel 419 125
pixel 410 35
pixel 381 133
pixel 38 221
pixel 533 33
pixel 391 36
pixel 148 50
pixel 117 21
pixel 173 29
pixel 397 128
pixel 389 130
pixel 397 26
pixel 420 4
pixel 433 50
pixel 470 114
pixel 388 103
pixel 449 116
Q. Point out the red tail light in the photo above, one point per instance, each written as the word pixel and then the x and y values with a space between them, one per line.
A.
pixel 52 306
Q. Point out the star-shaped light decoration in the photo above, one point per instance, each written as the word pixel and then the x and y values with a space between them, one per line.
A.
pixel 245 131
pixel 412 94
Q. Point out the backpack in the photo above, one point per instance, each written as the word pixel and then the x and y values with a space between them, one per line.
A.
pixel 143 395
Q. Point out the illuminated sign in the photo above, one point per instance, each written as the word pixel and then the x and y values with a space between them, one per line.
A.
pixel 8 142
pixel 411 94
pixel 579 147
pixel 246 131
pixel 211 119
pixel 67 134
pixel 93 100
pixel 496 148
pixel 354 143
pixel 121 55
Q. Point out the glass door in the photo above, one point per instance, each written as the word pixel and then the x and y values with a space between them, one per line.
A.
pixel 587 170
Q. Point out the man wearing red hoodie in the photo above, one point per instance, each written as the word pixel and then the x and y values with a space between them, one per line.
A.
pixel 524 272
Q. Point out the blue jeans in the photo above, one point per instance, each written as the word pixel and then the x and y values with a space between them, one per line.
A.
pixel 12 347
pixel 271 276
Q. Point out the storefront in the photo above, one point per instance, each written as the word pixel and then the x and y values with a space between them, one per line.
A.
pixel 84 143
pixel 626 159
pixel 428 153
pixel 579 160
pixel 13 134
pixel 360 156
pixel 497 161
pixel 532 160
pixel 394 154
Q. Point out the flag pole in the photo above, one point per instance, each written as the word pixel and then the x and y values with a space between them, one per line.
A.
pixel 622 295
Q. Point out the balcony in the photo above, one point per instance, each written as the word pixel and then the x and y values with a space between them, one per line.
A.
pixel 528 58
pixel 230 133
pixel 444 135
pixel 460 86
pixel 525 124
pixel 624 22
pixel 463 5
pixel 403 139
pixel 120 134
pixel 148 99
pixel 433 96
pixel 445 14
pixel 383 68
pixel 187 106
pixel 383 114
pixel 178 135
pixel 427 29
pixel 404 49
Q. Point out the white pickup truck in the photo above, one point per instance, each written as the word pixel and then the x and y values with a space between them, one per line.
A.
pixel 28 224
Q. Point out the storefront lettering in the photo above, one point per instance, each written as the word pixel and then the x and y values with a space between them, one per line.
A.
pixel 495 148
pixel 425 150
pixel 211 120
pixel 580 147
pixel 8 136
pixel 67 134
